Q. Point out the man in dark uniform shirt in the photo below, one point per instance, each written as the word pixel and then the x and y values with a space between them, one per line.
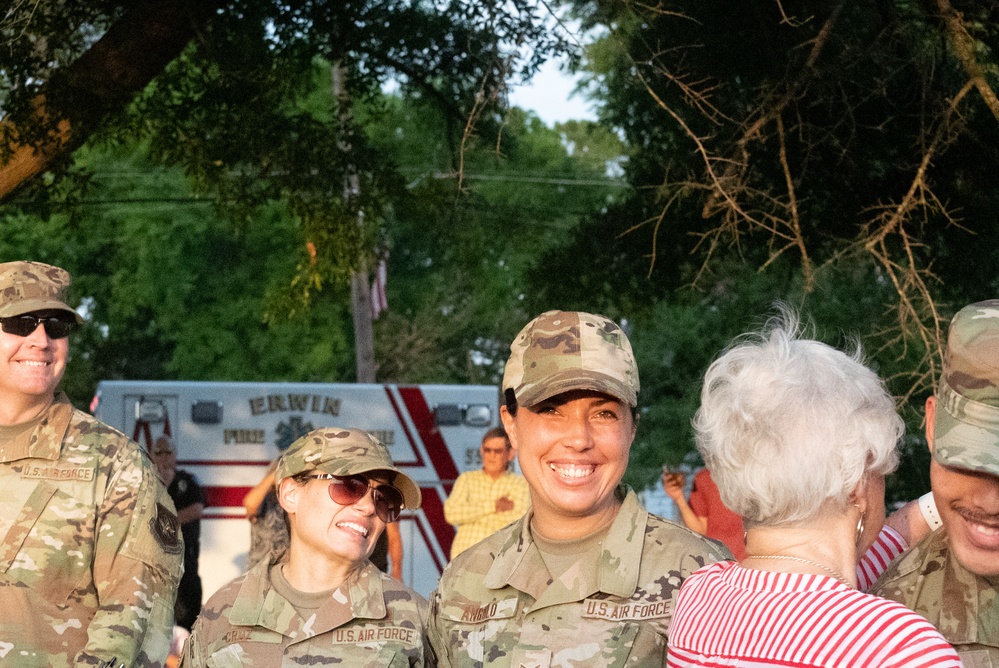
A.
pixel 189 499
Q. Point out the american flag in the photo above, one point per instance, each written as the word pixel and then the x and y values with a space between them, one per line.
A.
pixel 379 302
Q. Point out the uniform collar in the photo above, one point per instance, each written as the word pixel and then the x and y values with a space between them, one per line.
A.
pixel 518 563
pixel 259 604
pixel 45 440
pixel 970 604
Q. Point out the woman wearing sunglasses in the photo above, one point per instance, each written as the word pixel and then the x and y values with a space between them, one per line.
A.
pixel 322 601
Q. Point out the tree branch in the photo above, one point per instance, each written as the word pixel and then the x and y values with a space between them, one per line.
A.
pixel 101 82
pixel 964 48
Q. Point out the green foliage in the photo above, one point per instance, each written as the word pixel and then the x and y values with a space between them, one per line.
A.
pixel 675 340
pixel 679 337
pixel 785 137
pixel 860 90
pixel 765 145
pixel 259 107
pixel 176 290
pixel 459 255
pixel 173 291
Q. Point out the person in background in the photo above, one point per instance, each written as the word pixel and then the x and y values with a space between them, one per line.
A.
pixel 189 499
pixel 322 601
pixel 706 514
pixel 268 521
pixel 269 529
pixel 587 576
pixel 799 437
pixel 951 577
pixel 482 502
pixel 387 555
pixel 91 549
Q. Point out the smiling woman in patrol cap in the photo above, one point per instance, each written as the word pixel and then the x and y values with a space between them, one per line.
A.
pixel 587 577
pixel 322 601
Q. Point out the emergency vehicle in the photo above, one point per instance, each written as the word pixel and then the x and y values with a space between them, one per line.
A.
pixel 228 433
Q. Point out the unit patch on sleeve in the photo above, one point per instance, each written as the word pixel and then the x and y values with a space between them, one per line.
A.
pixel 166 528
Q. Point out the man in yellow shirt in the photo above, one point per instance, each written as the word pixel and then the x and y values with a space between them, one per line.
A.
pixel 485 501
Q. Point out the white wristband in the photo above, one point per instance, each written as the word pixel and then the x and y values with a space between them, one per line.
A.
pixel 928 508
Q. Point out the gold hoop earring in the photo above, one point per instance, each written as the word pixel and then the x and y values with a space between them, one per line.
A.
pixel 860 526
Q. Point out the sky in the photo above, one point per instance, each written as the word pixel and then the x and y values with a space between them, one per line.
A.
pixel 549 96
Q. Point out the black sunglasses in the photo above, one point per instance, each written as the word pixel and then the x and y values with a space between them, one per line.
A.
pixel 56 326
pixel 349 489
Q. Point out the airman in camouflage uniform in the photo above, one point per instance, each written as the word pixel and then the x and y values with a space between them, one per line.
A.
pixel 588 576
pixel 362 617
pixel 952 576
pixel 91 553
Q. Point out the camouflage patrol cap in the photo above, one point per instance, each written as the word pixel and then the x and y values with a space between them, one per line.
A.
pixel 344 452
pixel 33 286
pixel 561 351
pixel 966 423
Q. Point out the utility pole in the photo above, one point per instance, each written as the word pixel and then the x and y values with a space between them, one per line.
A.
pixel 360 289
pixel 364 338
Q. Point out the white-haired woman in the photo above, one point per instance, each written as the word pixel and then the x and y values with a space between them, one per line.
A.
pixel 799 437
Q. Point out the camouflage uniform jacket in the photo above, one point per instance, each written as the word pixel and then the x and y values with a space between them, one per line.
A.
pixel 496 604
pixel 91 552
pixel 963 606
pixel 371 621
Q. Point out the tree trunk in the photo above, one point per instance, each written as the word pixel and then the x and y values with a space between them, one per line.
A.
pixel 360 301
pixel 360 287
pixel 101 82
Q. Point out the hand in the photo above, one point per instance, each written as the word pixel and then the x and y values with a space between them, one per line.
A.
pixel 503 504
pixel 673 484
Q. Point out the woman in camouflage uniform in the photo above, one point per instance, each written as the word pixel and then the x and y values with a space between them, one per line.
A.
pixel 587 577
pixel 323 601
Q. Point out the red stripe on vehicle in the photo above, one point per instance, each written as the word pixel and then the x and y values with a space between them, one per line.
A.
pixel 433 510
pixel 223 516
pixel 440 457
pixel 222 497
pixel 423 420
pixel 405 430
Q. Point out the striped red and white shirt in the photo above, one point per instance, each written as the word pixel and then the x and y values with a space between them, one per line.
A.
pixel 726 615
pixel 888 546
